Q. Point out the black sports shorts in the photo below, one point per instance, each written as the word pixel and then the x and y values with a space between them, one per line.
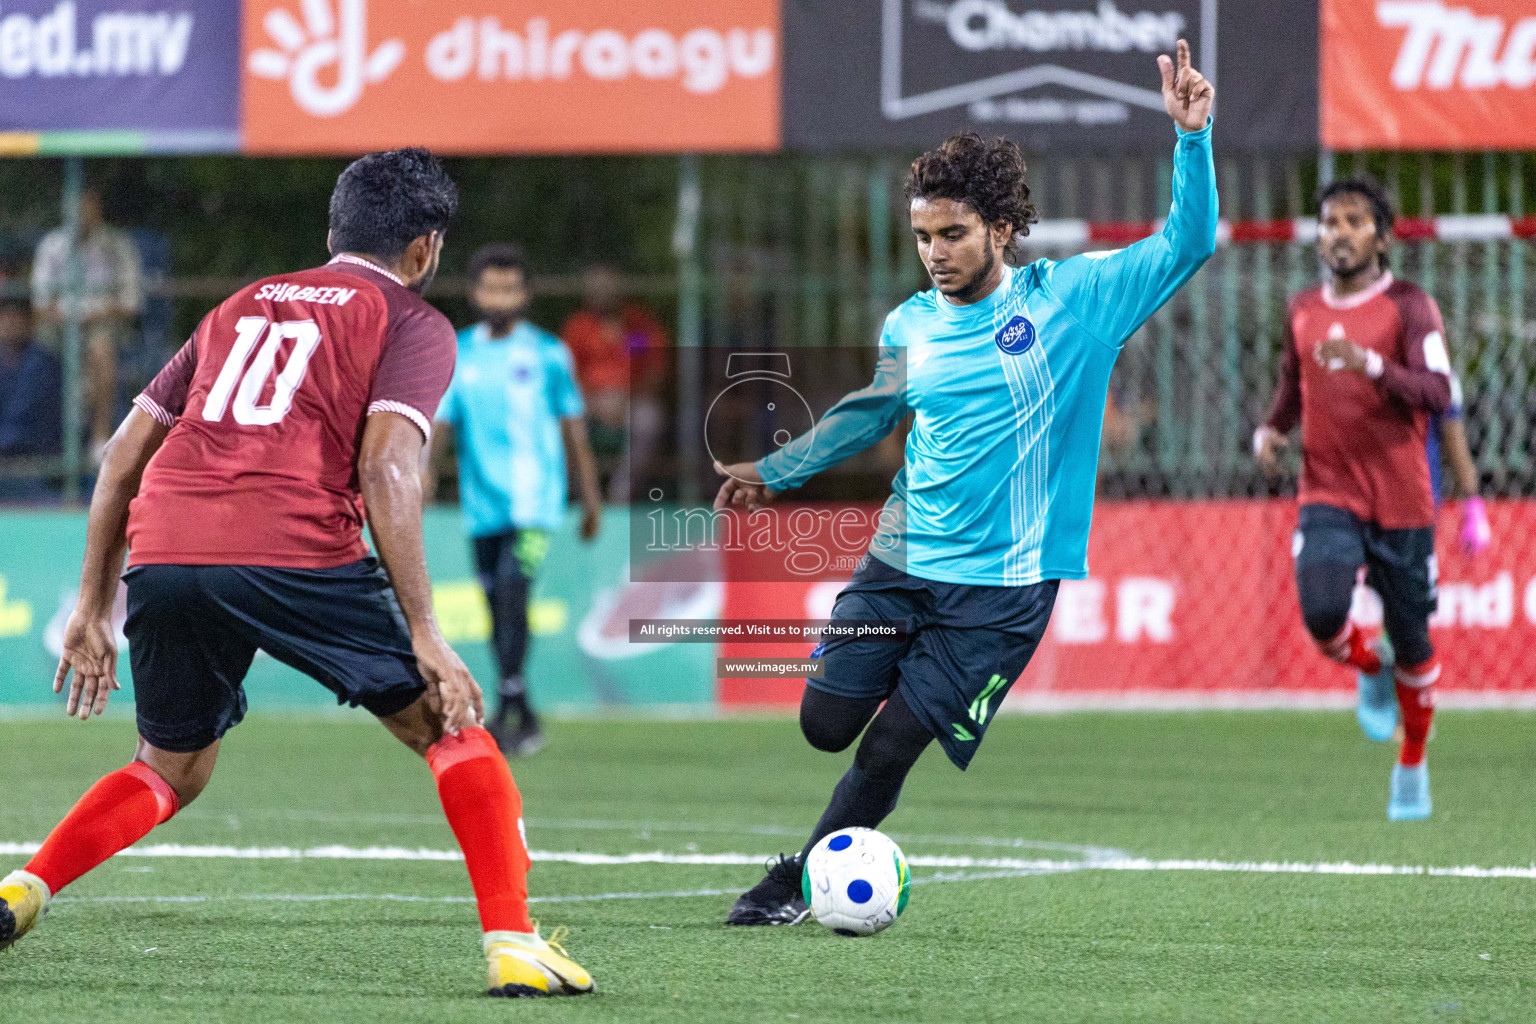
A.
pixel 965 646
pixel 1399 564
pixel 194 629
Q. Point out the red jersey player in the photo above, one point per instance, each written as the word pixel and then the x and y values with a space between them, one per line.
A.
pixel 1365 367
pixel 237 486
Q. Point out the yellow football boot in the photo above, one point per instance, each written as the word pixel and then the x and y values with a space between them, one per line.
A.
pixel 23 902
pixel 522 966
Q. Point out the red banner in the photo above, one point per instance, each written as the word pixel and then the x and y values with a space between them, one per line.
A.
pixel 1428 75
pixel 1193 604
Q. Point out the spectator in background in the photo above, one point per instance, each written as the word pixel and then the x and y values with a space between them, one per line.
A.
pixel 618 346
pixel 30 401
pixel 110 299
pixel 514 413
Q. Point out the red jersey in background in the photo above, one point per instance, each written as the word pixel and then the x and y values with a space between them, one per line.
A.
pixel 603 348
pixel 1362 440
pixel 266 405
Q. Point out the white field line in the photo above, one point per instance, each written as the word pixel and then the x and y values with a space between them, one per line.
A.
pixel 593 825
pixel 395 898
pixel 643 829
pixel 394 853
pixel 388 897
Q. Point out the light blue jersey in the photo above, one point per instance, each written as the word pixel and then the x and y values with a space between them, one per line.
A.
pixel 1008 399
pixel 506 401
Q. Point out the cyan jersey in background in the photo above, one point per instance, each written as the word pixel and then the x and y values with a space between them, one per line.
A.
pixel 1008 399
pixel 505 402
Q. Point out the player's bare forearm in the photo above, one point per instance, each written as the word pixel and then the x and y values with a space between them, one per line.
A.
pixel 387 469
pixel 436 459
pixel 1459 454
pixel 106 533
pixel 578 448
pixel 389 472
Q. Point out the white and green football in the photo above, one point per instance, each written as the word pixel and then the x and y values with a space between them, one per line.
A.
pixel 856 881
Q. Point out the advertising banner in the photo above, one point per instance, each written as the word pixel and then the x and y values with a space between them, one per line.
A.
pixel 1428 75
pixel 1188 604
pixel 1058 75
pixel 573 665
pixel 478 76
pixel 1193 604
pixel 160 67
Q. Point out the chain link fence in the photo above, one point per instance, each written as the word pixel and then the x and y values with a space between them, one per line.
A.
pixel 816 252
pixel 796 251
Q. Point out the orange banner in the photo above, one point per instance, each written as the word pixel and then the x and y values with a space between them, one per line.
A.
pixel 1421 74
pixel 485 76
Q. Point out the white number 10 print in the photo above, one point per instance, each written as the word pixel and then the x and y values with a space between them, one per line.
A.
pixel 306 338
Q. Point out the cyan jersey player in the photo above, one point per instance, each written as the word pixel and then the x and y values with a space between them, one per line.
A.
pixel 513 411
pixel 1006 370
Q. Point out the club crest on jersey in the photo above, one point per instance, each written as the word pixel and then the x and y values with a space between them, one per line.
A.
pixel 1017 336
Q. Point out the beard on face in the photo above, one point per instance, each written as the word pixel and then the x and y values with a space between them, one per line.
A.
pixel 1343 263
pixel 968 290
pixel 420 287
pixel 500 321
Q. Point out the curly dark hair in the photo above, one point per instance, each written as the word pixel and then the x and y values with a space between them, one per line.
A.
pixel 986 175
pixel 1375 195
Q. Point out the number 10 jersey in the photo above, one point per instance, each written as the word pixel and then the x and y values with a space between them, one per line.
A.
pixel 267 404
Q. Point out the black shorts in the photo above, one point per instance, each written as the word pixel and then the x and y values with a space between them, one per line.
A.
pixel 965 646
pixel 194 629
pixel 1400 565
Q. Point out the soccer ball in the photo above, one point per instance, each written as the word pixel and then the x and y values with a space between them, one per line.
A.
pixel 856 881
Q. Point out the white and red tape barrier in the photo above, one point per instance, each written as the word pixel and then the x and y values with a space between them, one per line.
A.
pixel 1455 228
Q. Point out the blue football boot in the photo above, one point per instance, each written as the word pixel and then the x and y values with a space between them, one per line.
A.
pixel 1410 793
pixel 1376 708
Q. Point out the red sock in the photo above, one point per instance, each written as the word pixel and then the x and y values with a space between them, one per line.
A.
pixel 1352 647
pixel 485 811
pixel 1416 702
pixel 112 815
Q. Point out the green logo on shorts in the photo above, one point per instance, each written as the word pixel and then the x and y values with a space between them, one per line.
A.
pixel 981 706
pixel 961 732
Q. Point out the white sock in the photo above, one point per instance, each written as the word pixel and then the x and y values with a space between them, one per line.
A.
pixel 528 939
pixel 28 877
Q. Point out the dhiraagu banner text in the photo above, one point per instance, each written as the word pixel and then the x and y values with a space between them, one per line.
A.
pixel 574 667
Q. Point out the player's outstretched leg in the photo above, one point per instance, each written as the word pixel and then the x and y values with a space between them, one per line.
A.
pixel 864 797
pixel 119 810
pixel 485 812
pixel 1410 776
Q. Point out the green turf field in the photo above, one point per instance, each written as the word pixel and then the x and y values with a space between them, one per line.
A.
pixel 241 944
